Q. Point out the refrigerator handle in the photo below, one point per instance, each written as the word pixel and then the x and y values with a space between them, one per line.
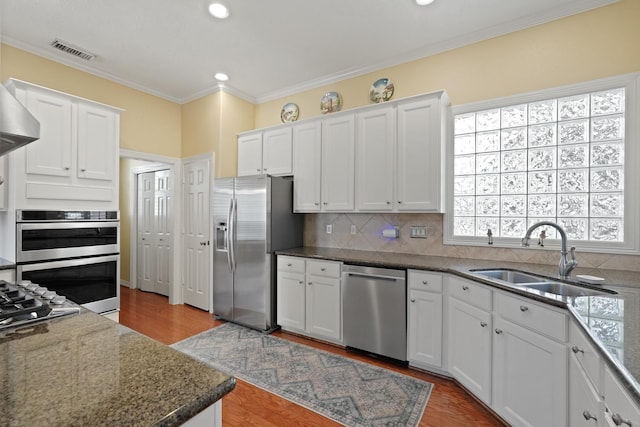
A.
pixel 228 234
pixel 232 235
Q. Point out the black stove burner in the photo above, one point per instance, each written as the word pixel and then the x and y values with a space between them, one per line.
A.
pixel 25 303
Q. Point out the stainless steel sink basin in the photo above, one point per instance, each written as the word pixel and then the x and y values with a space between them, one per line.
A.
pixel 534 282
pixel 511 276
pixel 564 290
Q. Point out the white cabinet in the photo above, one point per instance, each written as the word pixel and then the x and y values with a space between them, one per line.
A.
pixel 421 135
pixel 424 319
pixel 469 338
pixel 74 164
pixel 307 152
pixel 529 369
pixel 375 159
pixel 337 168
pixel 267 152
pixel 585 405
pixel 620 408
pixel 309 297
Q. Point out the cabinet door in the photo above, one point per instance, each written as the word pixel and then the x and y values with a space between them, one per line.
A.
pixel 276 152
pixel 338 151
pixel 250 154
pixel 622 409
pixel 419 154
pixel 469 341
pixel 424 328
pixel 375 154
pixel 291 301
pixel 584 404
pixel 324 311
pixel 97 142
pixel 51 154
pixel 307 147
pixel 529 377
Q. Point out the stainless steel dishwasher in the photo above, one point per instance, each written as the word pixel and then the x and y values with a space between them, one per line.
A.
pixel 374 310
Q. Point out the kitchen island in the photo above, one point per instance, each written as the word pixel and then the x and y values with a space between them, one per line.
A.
pixel 88 370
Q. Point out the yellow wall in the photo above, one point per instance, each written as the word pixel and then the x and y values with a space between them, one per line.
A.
pixel 150 124
pixel 591 45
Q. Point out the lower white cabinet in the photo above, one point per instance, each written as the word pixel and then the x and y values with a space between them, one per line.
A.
pixel 620 409
pixel 585 405
pixel 309 297
pixel 424 319
pixel 529 375
pixel 469 341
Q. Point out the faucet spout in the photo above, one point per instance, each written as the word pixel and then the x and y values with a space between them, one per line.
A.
pixel 566 265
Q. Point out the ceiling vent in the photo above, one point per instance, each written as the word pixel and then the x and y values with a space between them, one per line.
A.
pixel 72 50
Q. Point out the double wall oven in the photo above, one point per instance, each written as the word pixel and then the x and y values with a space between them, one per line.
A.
pixel 74 253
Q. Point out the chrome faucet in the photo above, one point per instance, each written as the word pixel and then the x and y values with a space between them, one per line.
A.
pixel 566 266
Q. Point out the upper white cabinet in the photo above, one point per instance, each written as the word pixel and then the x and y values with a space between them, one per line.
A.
pixel 267 152
pixel 307 153
pixel 75 161
pixel 422 125
pixel 337 168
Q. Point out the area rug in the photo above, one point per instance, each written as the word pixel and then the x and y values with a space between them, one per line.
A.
pixel 348 391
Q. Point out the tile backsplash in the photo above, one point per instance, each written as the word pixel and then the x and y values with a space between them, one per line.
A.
pixel 369 237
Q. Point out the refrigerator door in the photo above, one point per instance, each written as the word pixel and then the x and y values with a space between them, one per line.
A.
pixel 252 262
pixel 223 190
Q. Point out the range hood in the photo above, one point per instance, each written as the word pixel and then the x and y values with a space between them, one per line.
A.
pixel 17 125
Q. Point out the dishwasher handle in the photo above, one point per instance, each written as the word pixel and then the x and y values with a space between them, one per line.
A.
pixel 375 276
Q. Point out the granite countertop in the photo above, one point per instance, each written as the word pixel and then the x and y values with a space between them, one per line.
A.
pixel 612 321
pixel 6 264
pixel 88 370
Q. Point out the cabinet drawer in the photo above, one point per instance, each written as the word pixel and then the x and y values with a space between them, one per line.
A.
pixel 618 402
pixel 470 292
pixel 323 268
pixel 291 264
pixel 533 316
pixel 585 353
pixel 423 281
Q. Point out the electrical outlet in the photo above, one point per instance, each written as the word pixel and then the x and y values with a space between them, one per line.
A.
pixel 329 229
pixel 353 229
pixel 418 232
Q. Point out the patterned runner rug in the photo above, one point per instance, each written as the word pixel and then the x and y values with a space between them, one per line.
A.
pixel 347 391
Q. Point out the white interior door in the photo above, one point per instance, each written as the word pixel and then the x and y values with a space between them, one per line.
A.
pixel 196 233
pixel 163 235
pixel 146 235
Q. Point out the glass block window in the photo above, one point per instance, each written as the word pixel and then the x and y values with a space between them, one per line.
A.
pixel 558 159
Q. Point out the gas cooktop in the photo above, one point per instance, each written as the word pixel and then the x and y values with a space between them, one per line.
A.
pixel 26 302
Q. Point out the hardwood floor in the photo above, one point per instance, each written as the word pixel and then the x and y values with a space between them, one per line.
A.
pixel 151 315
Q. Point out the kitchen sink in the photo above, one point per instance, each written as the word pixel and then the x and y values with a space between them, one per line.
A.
pixel 511 276
pixel 534 282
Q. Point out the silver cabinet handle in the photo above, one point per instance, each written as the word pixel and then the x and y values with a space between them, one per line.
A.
pixel 498 331
pixel 618 420
pixel 587 416
pixel 258 170
pixel 66 168
pixel 325 203
pixel 388 202
pixel 399 202
pixel 1 180
pixel 322 269
pixel 317 203
pixel 288 265
pixel 483 324
pixel 83 170
pixel 465 288
pixel 310 283
pixel 300 282
pixel 577 349
pixel 524 308
pixel 413 300
pixel 425 282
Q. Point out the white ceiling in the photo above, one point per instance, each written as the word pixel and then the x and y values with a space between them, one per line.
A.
pixel 269 48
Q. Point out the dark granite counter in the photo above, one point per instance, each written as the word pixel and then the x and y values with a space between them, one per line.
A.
pixel 88 370
pixel 6 264
pixel 612 321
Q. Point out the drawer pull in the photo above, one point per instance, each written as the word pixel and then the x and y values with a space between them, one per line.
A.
pixel 288 265
pixel 524 308
pixel 310 283
pixel 618 420
pixel 425 282
pixel 483 324
pixel 323 269
pixel 465 288
pixel 301 282
pixel 587 416
pixel 577 349
pixel 498 331
pixel 413 300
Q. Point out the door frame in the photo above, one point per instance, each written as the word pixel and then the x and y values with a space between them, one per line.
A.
pixel 175 166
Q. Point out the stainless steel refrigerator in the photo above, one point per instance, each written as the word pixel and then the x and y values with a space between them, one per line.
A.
pixel 253 217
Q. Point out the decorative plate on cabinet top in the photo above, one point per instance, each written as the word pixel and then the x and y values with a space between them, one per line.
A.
pixel 289 113
pixel 331 102
pixel 381 90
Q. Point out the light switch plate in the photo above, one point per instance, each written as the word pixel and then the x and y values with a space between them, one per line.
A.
pixel 418 232
pixel 353 229
pixel 329 229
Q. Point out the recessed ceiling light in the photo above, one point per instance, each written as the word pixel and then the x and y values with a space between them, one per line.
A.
pixel 218 10
pixel 423 2
pixel 221 77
